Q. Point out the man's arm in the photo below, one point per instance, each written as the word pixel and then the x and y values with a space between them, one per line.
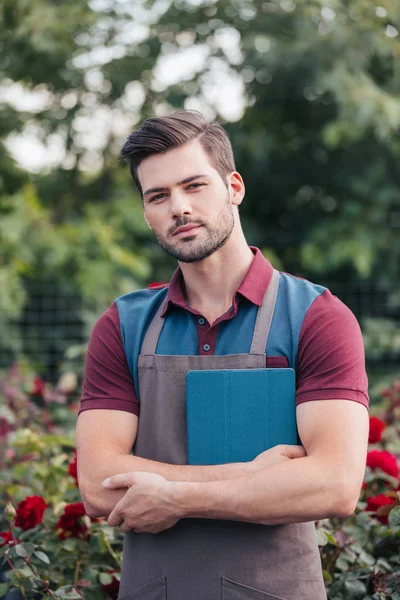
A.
pixel 323 484
pixel 104 440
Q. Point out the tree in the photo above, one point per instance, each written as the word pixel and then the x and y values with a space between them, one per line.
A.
pixel 317 143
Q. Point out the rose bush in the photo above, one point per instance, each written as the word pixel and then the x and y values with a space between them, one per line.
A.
pixel 361 554
pixel 49 546
pixel 52 548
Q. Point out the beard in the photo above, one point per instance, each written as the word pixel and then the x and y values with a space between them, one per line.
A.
pixel 214 238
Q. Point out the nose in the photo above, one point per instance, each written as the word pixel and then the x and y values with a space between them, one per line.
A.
pixel 180 204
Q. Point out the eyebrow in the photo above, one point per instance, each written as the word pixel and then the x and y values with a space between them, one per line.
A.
pixel 162 189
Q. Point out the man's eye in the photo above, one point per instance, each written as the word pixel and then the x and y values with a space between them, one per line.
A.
pixel 195 185
pixel 157 197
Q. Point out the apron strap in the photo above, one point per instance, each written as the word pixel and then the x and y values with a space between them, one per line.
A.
pixel 264 316
pixel 261 329
pixel 153 333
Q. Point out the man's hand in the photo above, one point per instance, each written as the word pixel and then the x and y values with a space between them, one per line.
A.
pixel 276 455
pixel 149 504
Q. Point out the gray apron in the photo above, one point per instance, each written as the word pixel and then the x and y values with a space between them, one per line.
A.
pixel 209 559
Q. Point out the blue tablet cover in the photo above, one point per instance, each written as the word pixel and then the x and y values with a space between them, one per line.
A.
pixel 235 414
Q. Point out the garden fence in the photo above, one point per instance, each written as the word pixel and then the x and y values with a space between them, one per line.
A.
pixel 53 322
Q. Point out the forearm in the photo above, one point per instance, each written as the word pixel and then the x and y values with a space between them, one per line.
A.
pixel 295 491
pixel 100 502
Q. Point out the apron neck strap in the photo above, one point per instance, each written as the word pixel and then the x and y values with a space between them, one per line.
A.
pixel 264 316
pixel 153 333
pixel 261 329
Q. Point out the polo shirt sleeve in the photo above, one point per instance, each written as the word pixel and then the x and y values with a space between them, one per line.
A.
pixel 331 359
pixel 107 380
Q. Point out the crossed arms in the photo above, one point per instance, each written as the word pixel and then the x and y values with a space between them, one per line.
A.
pixel 323 480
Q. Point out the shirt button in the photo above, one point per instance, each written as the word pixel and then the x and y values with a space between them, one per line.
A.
pixel 201 321
pixel 206 347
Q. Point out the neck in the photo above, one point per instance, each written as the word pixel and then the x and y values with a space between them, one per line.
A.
pixel 211 283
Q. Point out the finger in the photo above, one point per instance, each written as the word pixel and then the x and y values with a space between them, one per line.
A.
pixel 118 481
pixel 125 528
pixel 115 518
pixel 295 451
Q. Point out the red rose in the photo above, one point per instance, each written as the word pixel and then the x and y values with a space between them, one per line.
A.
pixel 38 387
pixel 73 468
pixel 381 459
pixel 30 512
pixel 376 426
pixel 4 427
pixel 7 538
pixel 69 524
pixel 112 588
pixel 374 503
pixel 155 284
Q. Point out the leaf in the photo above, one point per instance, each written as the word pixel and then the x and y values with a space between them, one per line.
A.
pixel 69 545
pixel 25 571
pixel 343 562
pixel 383 511
pixel 84 582
pixel 49 518
pixel 61 591
pixel 322 539
pixel 381 563
pixel 101 544
pixel 25 550
pixel 354 590
pixel 105 578
pixel 42 556
pixel 327 576
pixel 331 539
pixel 367 558
pixel 363 520
pixel 63 594
pixel 394 517
pixel 3 589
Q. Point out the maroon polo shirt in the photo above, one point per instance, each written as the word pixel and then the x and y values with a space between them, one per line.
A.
pixel 331 363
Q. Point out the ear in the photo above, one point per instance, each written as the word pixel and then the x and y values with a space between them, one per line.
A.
pixel 236 188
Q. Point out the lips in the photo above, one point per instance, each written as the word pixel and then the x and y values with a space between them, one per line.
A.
pixel 186 228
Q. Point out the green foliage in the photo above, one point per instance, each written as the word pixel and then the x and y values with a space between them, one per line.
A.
pixel 36 463
pixel 89 259
pixel 317 142
pixel 360 554
pixel 381 337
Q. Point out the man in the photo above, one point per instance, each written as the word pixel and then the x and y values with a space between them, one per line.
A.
pixel 240 530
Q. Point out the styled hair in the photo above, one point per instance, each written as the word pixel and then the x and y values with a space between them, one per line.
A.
pixel 157 135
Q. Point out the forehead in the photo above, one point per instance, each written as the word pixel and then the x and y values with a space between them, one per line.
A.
pixel 164 170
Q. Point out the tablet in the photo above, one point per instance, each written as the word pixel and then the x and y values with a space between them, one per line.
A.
pixel 235 414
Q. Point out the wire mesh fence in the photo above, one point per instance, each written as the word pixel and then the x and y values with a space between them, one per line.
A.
pixel 53 321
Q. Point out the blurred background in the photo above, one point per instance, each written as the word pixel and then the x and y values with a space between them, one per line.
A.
pixel 309 93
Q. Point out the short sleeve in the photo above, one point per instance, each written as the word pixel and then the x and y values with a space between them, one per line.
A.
pixel 107 380
pixel 331 358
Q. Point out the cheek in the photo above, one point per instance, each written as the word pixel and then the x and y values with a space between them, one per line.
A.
pixel 157 223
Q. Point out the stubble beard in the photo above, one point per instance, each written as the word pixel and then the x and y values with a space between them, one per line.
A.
pixel 214 239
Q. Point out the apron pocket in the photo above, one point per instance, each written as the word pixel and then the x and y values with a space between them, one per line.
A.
pixel 154 590
pixel 232 590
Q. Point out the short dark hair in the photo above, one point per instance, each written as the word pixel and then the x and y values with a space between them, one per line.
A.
pixel 157 135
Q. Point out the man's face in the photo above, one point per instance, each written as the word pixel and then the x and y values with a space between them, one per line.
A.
pixel 181 189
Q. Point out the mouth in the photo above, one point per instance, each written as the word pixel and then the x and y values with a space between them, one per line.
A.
pixel 186 230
